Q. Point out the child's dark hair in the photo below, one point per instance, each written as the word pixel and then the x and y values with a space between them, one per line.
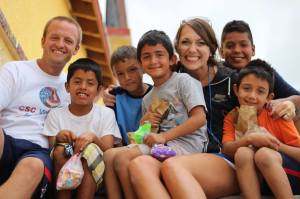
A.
pixel 261 70
pixel 85 64
pixel 237 26
pixel 122 53
pixel 152 38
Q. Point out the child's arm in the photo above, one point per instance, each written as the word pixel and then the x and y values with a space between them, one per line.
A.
pixel 152 117
pixel 84 139
pixel 289 137
pixel 107 141
pixel 51 141
pixel 291 151
pixel 108 98
pixel 65 136
pixel 256 139
pixel 195 121
pixel 230 145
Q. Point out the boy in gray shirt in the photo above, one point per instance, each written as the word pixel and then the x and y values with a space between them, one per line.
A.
pixel 183 129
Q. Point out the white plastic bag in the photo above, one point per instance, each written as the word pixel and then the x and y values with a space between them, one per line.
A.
pixel 71 174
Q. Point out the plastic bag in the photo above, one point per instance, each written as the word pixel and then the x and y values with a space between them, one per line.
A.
pixel 137 137
pixel 246 120
pixel 162 152
pixel 71 174
pixel 160 106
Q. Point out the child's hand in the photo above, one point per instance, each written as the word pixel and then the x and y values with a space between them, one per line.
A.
pixel 65 136
pixel 154 138
pixel 83 140
pixel 153 118
pixel 264 140
pixel 109 99
pixel 285 109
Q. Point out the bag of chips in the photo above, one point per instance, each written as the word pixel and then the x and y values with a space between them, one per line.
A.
pixel 246 120
pixel 71 174
pixel 160 106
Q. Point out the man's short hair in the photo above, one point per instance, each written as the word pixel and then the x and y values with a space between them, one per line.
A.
pixel 67 19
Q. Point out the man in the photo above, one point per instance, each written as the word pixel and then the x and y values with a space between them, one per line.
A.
pixel 29 89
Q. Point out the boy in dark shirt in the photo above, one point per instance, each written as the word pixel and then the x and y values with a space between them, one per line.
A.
pixel 237 48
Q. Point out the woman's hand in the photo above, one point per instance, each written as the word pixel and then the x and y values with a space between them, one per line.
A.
pixel 285 109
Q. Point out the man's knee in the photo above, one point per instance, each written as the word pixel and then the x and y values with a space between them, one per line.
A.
pixel 32 167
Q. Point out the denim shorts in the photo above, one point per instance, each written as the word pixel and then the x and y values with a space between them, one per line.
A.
pixel 228 159
pixel 15 150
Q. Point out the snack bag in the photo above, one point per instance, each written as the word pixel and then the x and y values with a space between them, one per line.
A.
pixel 162 152
pixel 246 120
pixel 71 174
pixel 137 137
pixel 159 106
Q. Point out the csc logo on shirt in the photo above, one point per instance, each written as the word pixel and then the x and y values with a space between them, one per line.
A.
pixel 27 109
pixel 49 97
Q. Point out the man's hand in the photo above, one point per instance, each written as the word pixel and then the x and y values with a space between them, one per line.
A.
pixel 83 140
pixel 109 99
pixel 65 136
pixel 285 109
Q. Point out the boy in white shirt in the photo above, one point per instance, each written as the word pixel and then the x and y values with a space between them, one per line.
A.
pixel 82 126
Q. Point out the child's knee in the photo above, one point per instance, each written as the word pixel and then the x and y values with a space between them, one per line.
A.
pixel 121 161
pixel 58 156
pixel 170 165
pixel 109 155
pixel 138 164
pixel 265 157
pixel 123 158
pixel 243 155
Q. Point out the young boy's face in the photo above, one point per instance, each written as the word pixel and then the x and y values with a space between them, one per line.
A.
pixel 156 62
pixel 83 87
pixel 237 49
pixel 253 91
pixel 129 75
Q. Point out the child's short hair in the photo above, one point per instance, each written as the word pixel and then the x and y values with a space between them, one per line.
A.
pixel 205 31
pixel 152 38
pixel 122 53
pixel 237 26
pixel 260 69
pixel 85 64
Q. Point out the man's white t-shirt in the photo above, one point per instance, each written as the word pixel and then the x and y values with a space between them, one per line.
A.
pixel 26 96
